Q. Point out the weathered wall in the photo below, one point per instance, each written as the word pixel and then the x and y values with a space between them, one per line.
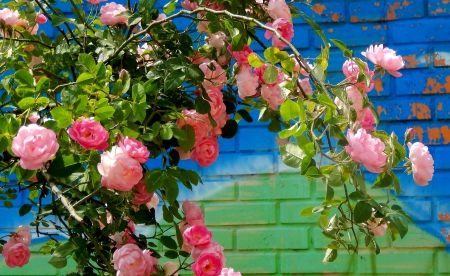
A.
pixel 252 201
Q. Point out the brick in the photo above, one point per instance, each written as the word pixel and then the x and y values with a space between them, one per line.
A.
pixel 410 188
pixel 252 262
pixel 224 237
pixel 440 156
pixel 395 262
pixel 441 57
pixel 290 212
pixel 311 262
pixel 238 164
pixel 414 57
pixel 443 210
pixel 362 11
pixel 228 145
pixel 282 186
pixel 418 209
pixel 272 238
pixel 240 213
pixel 361 34
pixel 428 30
pixel 415 109
pixel 256 139
pixel 429 134
pixel 443 107
pixel 37 266
pixel 443 262
pixel 214 189
pixel 438 8
pixel 418 238
pixel 404 9
pixel 425 82
pixel 326 12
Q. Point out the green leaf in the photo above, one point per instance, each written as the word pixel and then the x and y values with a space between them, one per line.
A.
pixel 24 77
pixel 139 111
pixel 58 262
pixel 289 110
pixel 146 5
pixel 230 129
pixel 138 93
pixel 43 85
pixel 105 112
pixel 201 105
pixel 362 212
pixel 87 61
pixel 167 215
pixel 168 242
pixel 26 103
pixel 134 19
pixel 188 143
pixel 270 54
pixel 174 80
pixel 64 249
pixel 69 95
pixel 64 165
pixel 154 180
pixel 255 61
pixel 7 204
pixel 400 224
pixel 85 78
pixel 291 155
pixel 178 235
pixel 171 188
pixel 288 64
pixel 170 254
pixel 330 255
pixel 166 132
pixel 194 73
pixel 25 209
pixel 245 115
pixel 174 63
pixel 306 212
pixel 170 7
pixel 383 180
pixel 62 116
pixel 341 45
pixel 270 74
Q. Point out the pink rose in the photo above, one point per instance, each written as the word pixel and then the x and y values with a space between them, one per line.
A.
pixel 183 155
pixel 26 25
pixel 109 12
pixel 369 120
pixel 153 202
pixel 213 248
pixel 241 57
pixel 385 58
pixel 15 254
pixel 207 265
pixel 197 235
pixel 119 171
pixel 193 213
pixel 223 59
pixel 215 76
pixel 183 226
pixel 376 228
pixel 9 17
pixel 186 4
pixel 199 122
pixel 34 117
pixel 34 145
pixel 247 82
pixel 272 94
pixel 279 9
pixel 170 268
pixel 306 86
pixel 22 235
pixel 151 262
pixel 355 100
pixel 229 272
pixel 422 163
pixel 95 2
pixel 134 149
pixel 351 70
pixel 216 40
pixel 142 196
pixel 89 134
pixel 197 58
pixel 221 121
pixel 284 28
pixel 129 260
pixel 41 19
pixel 206 151
pixel 366 149
pixel 202 26
pixel 299 69
pixel 217 105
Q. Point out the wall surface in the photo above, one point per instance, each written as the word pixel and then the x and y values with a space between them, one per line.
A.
pixel 252 201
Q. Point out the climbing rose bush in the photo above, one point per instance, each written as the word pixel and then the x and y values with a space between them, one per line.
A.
pixel 97 117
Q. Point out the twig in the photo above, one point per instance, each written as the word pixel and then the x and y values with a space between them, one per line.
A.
pixel 88 196
pixel 351 216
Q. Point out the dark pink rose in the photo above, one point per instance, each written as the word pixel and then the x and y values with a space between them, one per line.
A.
pixel 206 151
pixel 89 133
pixel 284 28
pixel 15 254
pixel 134 149
pixel 207 265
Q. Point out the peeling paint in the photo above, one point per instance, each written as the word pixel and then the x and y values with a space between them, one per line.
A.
pixel 391 15
pixel 411 61
pixel 446 234
pixel 354 19
pixel 364 28
pixel 445 130
pixel 437 11
pixel 419 133
pixel 434 135
pixel 330 30
pixel 433 86
pixel 406 3
pixel 444 217
pixel 441 59
pixel 318 8
pixel 377 4
pixel 378 87
pixel 439 107
pixel 377 27
pixel 445 2
pixel 335 17
pixel 420 111
pixel 381 109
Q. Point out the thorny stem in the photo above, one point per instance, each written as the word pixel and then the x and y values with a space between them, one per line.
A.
pixel 88 196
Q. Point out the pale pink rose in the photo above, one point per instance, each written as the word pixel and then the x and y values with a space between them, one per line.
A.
pixel 217 40
pixel 376 228
pixel 124 237
pixel 351 70
pixel 368 121
pixel 199 122
pixel 202 26
pixel 300 70
pixel 34 145
pixel 119 171
pixel 422 163
pixel 22 23
pixel 186 4
pixel 142 196
pixel 22 235
pixel 221 121
pixel 213 247
pixel 134 149
pixel 260 73
pixel 170 268
pixel 183 226
pixel 89 133
pixel 207 265
pixel 183 155
pixel 385 58
pixel 213 78
pixel 241 57
pixel 9 17
pixel 34 117
pixel 355 101
pixel 151 262
pixel 247 82
pixel 223 59
pixel 217 105
pixel 193 213
pixel 96 2
pixel 109 12
pixel 284 28
pixel 15 254
pixel 41 19
pixel 206 151
pixel 272 94
pixel 229 272
pixel 279 9
pixel 197 235
pixel 153 202
pixel 306 86
pixel 129 260
pixel 366 149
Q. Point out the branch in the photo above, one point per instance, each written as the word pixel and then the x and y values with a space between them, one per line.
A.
pixel 29 40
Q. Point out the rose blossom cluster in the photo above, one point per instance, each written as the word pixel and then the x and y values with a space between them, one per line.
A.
pixel 12 19
pixel 208 256
pixel 15 250
pixel 121 166
pixel 109 14
pixel 131 260
pixel 422 163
